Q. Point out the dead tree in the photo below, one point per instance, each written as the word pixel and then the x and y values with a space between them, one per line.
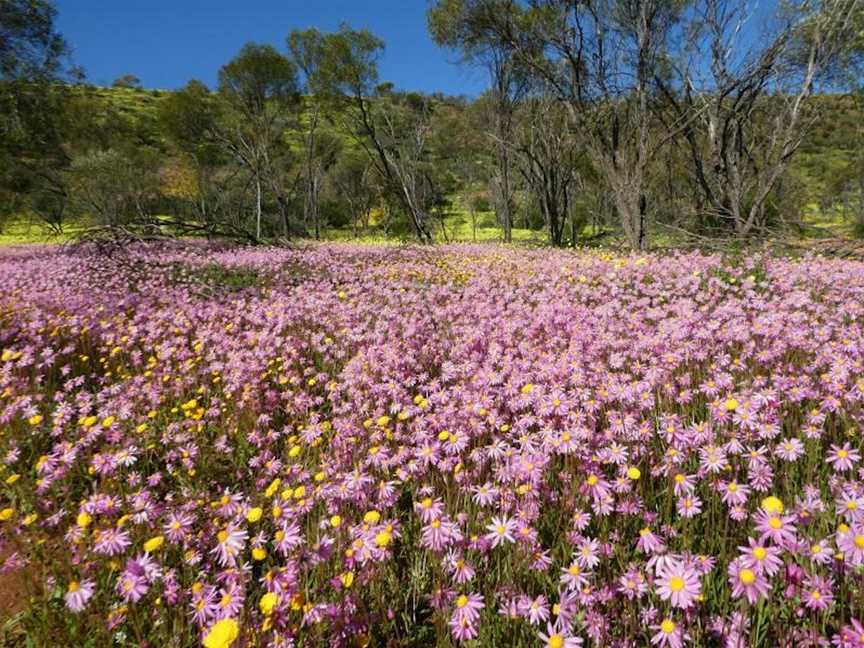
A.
pixel 600 57
pixel 745 109
pixel 546 154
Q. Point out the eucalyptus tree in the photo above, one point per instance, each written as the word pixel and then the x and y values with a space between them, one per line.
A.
pixel 742 92
pixel 308 48
pixel 31 48
pixel 393 134
pixel 548 157
pixel 354 180
pixel 33 58
pixel 260 89
pixel 600 58
pixel 466 27
pixel 190 118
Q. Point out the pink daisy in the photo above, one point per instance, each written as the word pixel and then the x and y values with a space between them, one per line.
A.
pixel 501 530
pixel 78 594
pixel 747 582
pixel 668 633
pixel 556 638
pixel 843 458
pixel 678 584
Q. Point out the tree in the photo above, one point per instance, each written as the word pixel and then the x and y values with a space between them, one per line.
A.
pixel 190 118
pixel 466 26
pixel 308 52
pixel 116 189
pixel 32 54
pixel 600 58
pixel 745 108
pixel 259 87
pixel 399 134
pixel 127 81
pixel 30 47
pixel 548 160
pixel 353 179
pixel 393 134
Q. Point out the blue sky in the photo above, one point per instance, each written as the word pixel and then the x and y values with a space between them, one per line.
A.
pixel 167 42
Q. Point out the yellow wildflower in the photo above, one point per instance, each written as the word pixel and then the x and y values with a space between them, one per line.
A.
pixel 222 634
pixel 153 544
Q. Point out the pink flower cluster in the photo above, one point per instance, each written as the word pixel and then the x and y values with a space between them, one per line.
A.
pixel 346 445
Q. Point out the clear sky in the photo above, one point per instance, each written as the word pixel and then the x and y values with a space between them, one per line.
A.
pixel 167 42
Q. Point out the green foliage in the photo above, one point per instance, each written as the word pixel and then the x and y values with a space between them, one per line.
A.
pixel 330 147
pixel 216 276
pixel 257 77
pixel 115 187
pixel 188 116
pixel 30 47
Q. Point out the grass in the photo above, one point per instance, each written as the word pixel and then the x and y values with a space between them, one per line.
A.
pixel 457 226
pixel 817 224
pixel 22 232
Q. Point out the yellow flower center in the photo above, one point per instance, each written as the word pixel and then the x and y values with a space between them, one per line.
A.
pixel 676 583
pixel 555 641
pixel 747 576
pixel 667 626
pixel 462 601
pixel 382 539
pixel 74 587
pixel 774 522
pixel 859 541
pixel 372 517
pixel 759 553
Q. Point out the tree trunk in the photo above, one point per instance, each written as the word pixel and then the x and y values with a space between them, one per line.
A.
pixel 503 128
pixel 473 224
pixel 257 208
pixel 314 206
pixel 505 203
pixel 643 208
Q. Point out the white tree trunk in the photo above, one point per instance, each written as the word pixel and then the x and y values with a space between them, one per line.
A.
pixel 258 208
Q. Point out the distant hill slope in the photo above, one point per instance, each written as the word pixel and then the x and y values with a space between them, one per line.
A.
pixel 831 155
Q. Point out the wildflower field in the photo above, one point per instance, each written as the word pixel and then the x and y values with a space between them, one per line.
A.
pixel 354 445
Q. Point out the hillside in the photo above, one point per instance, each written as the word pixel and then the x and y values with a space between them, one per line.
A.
pixel 826 178
pixel 827 169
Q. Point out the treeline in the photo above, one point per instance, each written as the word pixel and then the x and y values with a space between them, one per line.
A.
pixel 630 116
